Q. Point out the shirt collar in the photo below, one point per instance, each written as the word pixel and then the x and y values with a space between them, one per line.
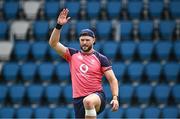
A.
pixel 87 53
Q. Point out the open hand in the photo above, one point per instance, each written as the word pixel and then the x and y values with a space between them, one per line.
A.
pixel 62 18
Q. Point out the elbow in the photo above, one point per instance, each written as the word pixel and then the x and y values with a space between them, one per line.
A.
pixel 113 81
pixel 51 43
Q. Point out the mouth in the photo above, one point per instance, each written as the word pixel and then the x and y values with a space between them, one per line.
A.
pixel 84 46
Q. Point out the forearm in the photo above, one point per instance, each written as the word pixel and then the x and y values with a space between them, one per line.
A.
pixel 114 88
pixel 55 37
pixel 113 83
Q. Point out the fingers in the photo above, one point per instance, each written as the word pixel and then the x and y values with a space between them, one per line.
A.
pixel 115 105
pixel 64 12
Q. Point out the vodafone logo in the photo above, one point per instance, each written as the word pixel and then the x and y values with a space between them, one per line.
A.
pixel 83 68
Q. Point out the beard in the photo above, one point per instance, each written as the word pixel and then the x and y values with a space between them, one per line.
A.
pixel 85 48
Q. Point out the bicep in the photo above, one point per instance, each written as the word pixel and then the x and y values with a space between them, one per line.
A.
pixel 60 49
pixel 109 74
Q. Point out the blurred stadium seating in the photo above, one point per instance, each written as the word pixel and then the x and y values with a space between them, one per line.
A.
pixel 140 37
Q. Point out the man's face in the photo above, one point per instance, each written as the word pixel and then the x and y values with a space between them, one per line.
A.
pixel 86 43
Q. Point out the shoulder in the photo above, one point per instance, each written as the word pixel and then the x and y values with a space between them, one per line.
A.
pixel 103 59
pixel 72 51
pixel 99 55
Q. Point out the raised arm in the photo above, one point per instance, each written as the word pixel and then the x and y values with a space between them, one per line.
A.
pixel 55 35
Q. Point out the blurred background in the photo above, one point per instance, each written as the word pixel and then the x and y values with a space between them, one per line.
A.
pixel 140 37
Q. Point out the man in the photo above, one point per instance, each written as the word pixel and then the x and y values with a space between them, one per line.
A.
pixel 87 68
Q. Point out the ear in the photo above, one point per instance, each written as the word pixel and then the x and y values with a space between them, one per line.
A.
pixel 94 41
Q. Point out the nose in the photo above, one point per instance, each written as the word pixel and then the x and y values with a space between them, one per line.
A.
pixel 84 42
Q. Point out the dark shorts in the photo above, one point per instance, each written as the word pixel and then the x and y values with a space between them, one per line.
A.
pixel 79 107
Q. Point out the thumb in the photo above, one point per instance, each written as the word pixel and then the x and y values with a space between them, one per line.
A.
pixel 112 102
pixel 68 18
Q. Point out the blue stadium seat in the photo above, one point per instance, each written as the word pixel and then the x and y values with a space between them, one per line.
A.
pixel 176 50
pixel 7 112
pixel 170 112
pixel 135 9
pixel 82 25
pixel 119 69
pixel 146 29
pixel 41 29
pixel 102 115
pixel 45 71
pixel 126 92
pixel 4 92
pixel 17 93
pixel 28 71
pixel 3 30
pixel 12 0
pixel 93 13
pixel 125 31
pixel 62 75
pixel 65 31
pixel 155 8
pixel 118 114
pixel 42 112
pixel 134 0
pixel 153 71
pixel 74 7
pixel 174 9
pixel 163 49
pixel 39 50
pixel 54 55
pixel 98 46
pixel 107 91
pixel 60 112
pixel 74 44
pixel 20 54
pixel 111 54
pixel 35 93
pixel 24 112
pixel 133 112
pixel 113 9
pixel 51 0
pixel 10 71
pixel 166 29
pixel 10 9
pixel 171 71
pixel 175 93
pixel 68 93
pixel 151 112
pixel 161 93
pixel 145 50
pixel 104 29
pixel 51 9
pixel 154 0
pixel 143 93
pixel 127 50
pixel 135 71
pixel 53 93
pixel 72 114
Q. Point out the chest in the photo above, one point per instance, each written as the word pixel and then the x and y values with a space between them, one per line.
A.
pixel 85 63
